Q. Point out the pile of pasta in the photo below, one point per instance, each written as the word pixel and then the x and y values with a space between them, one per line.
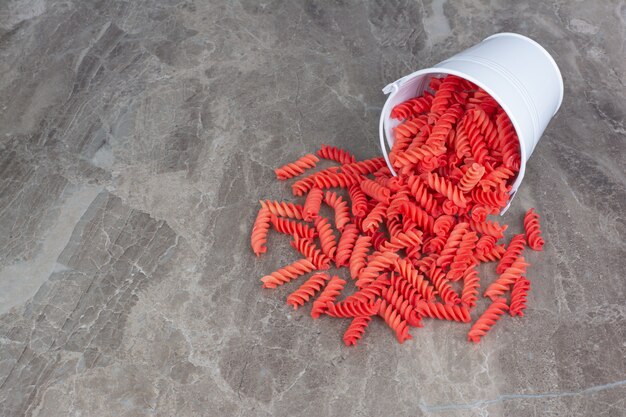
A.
pixel 411 243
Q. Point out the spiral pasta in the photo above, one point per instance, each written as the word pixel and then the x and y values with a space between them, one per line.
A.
pixel 379 263
pixel 371 292
pixel 365 167
pixel 359 201
pixel 283 209
pixel 403 306
pixel 293 228
pixel 376 191
pixel 336 154
pixel 312 204
pixel 258 237
pixel 445 187
pixel 345 245
pixel 352 309
pixel 329 294
pixel 533 230
pixel 518 297
pixel 311 252
pixel 456 155
pixel 355 331
pixel 513 251
pixel 471 284
pixel 359 255
pixel 297 167
pixel 342 212
pixel 393 318
pixel 507 278
pixel 486 321
pixel 408 272
pixel 326 236
pixel 441 311
pixel 307 290
pixel 471 177
pixel 287 273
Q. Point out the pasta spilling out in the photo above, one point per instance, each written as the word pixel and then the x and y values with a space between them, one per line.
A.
pixel 410 243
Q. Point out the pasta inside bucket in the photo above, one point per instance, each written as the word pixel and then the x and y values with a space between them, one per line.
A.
pixel 514 70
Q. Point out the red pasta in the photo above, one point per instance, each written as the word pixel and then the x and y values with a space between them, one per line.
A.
pixel 326 236
pixel 312 253
pixel 336 154
pixel 307 290
pixel 352 309
pixel 533 231
pixel 283 209
pixel 328 295
pixel 394 319
pixel 457 156
pixel 471 177
pixel 513 251
pixel 342 212
pixel 355 331
pixel 259 231
pixel 312 204
pixel 375 190
pixel 346 244
pixel 487 319
pixel 293 228
pixel 287 273
pixel 507 278
pixel 359 201
pixel 297 167
pixel 359 255
pixel 441 311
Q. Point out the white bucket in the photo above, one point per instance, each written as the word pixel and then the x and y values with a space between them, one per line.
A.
pixel 515 70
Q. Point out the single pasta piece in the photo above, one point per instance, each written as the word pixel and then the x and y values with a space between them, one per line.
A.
pixel 326 236
pixel 450 312
pixel 352 309
pixel 365 167
pixel 484 323
pixel 355 331
pixel 261 226
pixel 446 188
pixel 336 154
pixel 342 211
pixel 307 290
pixel 287 273
pixel 312 204
pixel 471 284
pixel 375 190
pixel 533 231
pixel 471 177
pixel 292 227
pixel 358 258
pixel 297 167
pixel 346 245
pixel 328 294
pixel 283 209
pixel 513 251
pixel 359 201
pixel 519 296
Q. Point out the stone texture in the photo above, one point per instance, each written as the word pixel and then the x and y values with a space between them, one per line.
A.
pixel 136 138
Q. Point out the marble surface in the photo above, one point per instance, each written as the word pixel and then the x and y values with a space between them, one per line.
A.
pixel 136 138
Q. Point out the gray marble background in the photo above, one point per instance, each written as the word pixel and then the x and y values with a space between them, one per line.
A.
pixel 136 138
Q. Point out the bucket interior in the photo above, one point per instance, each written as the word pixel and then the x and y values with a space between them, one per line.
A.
pixel 414 85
